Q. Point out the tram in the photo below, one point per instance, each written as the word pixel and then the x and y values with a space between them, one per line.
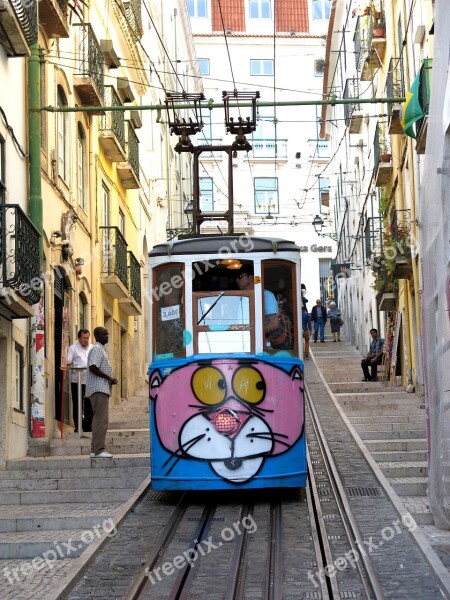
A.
pixel 226 394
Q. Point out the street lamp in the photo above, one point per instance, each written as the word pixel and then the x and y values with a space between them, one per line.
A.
pixel 318 226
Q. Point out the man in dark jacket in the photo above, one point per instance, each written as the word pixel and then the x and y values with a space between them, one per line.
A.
pixel 319 318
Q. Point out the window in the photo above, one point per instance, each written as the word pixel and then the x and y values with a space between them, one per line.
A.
pixel 324 273
pixel 203 65
pixel 62 137
pixel 261 67
pixel 260 9
pixel 121 222
pixel 197 8
pixel 324 192
pixel 105 206
pixel 167 293
pixel 18 377
pixel 206 194
pixel 83 321
pixel 81 168
pixel 319 67
pixel 321 9
pixel 266 195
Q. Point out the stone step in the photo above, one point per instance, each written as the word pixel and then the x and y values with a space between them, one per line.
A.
pixel 399 455
pixel 393 435
pixel 398 417
pixel 379 411
pixel 380 397
pixel 93 483
pixel 387 426
pixel 51 522
pixel 73 439
pixel 418 507
pixel 88 473
pixel 410 486
pixel 413 468
pixel 118 447
pixel 43 544
pixel 76 462
pixel 63 496
pixel 396 445
pixel 351 387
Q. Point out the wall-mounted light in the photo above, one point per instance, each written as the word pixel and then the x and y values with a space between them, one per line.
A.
pixel 79 261
pixel 298 155
pixel 56 234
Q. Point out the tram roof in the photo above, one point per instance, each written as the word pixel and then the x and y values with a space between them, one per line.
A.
pixel 232 244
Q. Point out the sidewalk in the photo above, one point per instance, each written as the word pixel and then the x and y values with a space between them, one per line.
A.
pixel 391 425
pixel 57 511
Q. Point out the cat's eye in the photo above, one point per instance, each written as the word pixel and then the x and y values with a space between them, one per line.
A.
pixel 249 385
pixel 209 385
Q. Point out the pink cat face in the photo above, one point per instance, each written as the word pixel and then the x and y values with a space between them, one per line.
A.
pixel 230 414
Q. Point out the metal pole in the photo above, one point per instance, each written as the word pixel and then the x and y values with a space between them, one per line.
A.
pixel 159 107
pixel 80 405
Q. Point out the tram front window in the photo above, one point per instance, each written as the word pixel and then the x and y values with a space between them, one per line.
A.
pixel 223 322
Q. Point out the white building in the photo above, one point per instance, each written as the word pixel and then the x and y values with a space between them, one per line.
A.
pixel 276 49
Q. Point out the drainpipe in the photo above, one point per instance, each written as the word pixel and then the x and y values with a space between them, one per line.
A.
pixel 37 343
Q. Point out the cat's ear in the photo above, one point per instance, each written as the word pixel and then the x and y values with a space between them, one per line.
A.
pixel 296 373
pixel 155 383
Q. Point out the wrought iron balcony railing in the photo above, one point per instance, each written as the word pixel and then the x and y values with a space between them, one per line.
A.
pixel 134 277
pixel 351 90
pixel 395 80
pixel 114 254
pixel 134 16
pixel 25 17
pixel 19 253
pixel 373 239
pixel 90 60
pixel 133 150
pixel 113 120
pixel 401 225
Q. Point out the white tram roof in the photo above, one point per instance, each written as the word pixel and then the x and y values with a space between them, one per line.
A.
pixel 231 244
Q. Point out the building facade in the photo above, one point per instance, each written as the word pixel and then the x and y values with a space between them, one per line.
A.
pixel 272 50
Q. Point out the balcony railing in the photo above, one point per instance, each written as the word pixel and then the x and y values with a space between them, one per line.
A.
pixel 134 277
pixel 133 150
pixel 351 90
pixel 134 16
pixel 395 88
pixel 268 148
pixel 19 253
pixel 382 163
pixel 319 149
pixel 373 240
pixel 114 254
pixel 112 127
pixel 367 46
pixel 90 65
pixel 18 26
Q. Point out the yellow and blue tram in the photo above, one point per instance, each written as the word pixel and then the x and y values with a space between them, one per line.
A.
pixel 226 397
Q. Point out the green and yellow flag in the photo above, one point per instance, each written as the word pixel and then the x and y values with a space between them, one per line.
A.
pixel 411 109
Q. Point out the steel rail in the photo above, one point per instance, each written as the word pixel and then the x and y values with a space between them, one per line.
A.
pixel 236 588
pixel 369 577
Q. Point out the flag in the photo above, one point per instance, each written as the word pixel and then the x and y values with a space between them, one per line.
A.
pixel 411 109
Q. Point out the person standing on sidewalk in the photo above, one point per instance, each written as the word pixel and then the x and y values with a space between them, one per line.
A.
pixel 77 356
pixel 306 325
pixel 319 318
pixel 334 314
pixel 374 357
pixel 98 389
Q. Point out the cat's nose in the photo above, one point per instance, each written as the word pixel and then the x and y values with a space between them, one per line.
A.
pixel 225 421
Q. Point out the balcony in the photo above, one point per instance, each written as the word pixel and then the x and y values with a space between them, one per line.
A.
pixel 129 171
pixel 90 65
pixel 388 301
pixel 382 166
pixel 132 305
pixel 112 128
pixel 20 283
pixel 270 149
pixel 395 88
pixel 114 273
pixel 401 243
pixel 134 17
pixel 352 112
pixel 319 149
pixel 53 18
pixel 18 26
pixel 424 100
pixel 370 42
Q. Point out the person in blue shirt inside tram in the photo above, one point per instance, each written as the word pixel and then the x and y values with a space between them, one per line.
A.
pixel 245 281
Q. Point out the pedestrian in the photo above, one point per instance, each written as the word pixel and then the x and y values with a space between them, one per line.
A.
pixel 334 314
pixel 319 318
pixel 77 357
pixel 374 357
pixel 98 389
pixel 306 325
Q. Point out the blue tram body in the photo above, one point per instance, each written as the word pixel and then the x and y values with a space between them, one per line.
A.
pixel 226 391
